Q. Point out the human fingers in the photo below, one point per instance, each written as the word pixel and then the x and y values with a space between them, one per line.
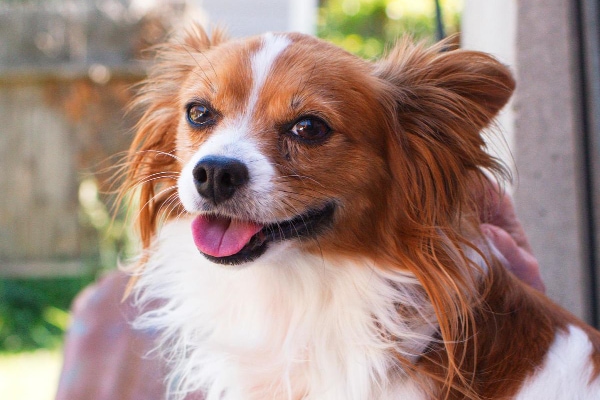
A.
pixel 517 260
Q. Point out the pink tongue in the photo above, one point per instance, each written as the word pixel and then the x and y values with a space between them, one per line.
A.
pixel 221 236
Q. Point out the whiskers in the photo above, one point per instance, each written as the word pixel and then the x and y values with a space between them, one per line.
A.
pixel 148 187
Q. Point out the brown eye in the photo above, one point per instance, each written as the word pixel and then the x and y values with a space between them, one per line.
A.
pixel 310 129
pixel 200 116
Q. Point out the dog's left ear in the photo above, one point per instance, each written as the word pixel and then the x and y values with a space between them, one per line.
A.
pixel 437 103
pixel 463 85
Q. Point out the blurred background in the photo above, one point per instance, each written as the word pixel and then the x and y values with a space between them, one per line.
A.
pixel 66 74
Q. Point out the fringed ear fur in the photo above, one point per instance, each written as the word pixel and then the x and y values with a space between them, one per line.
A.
pixel 439 102
pixel 152 162
pixel 481 83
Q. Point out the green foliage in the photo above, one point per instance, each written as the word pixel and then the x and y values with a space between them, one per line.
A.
pixel 365 27
pixel 34 312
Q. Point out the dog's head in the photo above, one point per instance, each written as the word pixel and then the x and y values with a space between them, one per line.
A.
pixel 286 138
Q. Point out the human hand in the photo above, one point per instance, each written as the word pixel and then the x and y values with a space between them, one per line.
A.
pixel 502 227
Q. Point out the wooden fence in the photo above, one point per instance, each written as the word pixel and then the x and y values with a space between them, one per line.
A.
pixel 66 73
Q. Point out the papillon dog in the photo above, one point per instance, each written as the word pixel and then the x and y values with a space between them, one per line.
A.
pixel 309 228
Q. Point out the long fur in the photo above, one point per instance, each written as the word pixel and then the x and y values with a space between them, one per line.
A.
pixel 396 299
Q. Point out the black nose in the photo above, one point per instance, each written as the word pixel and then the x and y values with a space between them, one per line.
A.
pixel 217 178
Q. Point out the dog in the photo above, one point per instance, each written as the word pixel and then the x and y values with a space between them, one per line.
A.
pixel 309 228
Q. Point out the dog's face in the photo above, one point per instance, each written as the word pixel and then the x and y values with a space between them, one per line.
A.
pixel 277 137
pixel 286 138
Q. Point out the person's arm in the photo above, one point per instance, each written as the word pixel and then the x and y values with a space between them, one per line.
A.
pixel 104 357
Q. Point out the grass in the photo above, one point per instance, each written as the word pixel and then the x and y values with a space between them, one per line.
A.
pixel 34 313
pixel 30 375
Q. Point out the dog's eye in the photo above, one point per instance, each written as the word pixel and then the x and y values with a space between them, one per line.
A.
pixel 199 115
pixel 310 129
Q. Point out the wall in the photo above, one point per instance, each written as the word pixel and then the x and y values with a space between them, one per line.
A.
pixel 254 17
pixel 544 133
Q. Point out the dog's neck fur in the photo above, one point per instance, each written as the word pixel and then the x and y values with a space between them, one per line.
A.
pixel 292 326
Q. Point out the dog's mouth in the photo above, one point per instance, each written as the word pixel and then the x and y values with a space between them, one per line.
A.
pixel 226 240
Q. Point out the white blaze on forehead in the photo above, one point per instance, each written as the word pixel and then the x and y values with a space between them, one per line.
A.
pixel 262 63
pixel 231 138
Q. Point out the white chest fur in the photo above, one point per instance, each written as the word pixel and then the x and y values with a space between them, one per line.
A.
pixel 566 372
pixel 289 326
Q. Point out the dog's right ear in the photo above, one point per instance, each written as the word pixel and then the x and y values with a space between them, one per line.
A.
pixel 152 168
